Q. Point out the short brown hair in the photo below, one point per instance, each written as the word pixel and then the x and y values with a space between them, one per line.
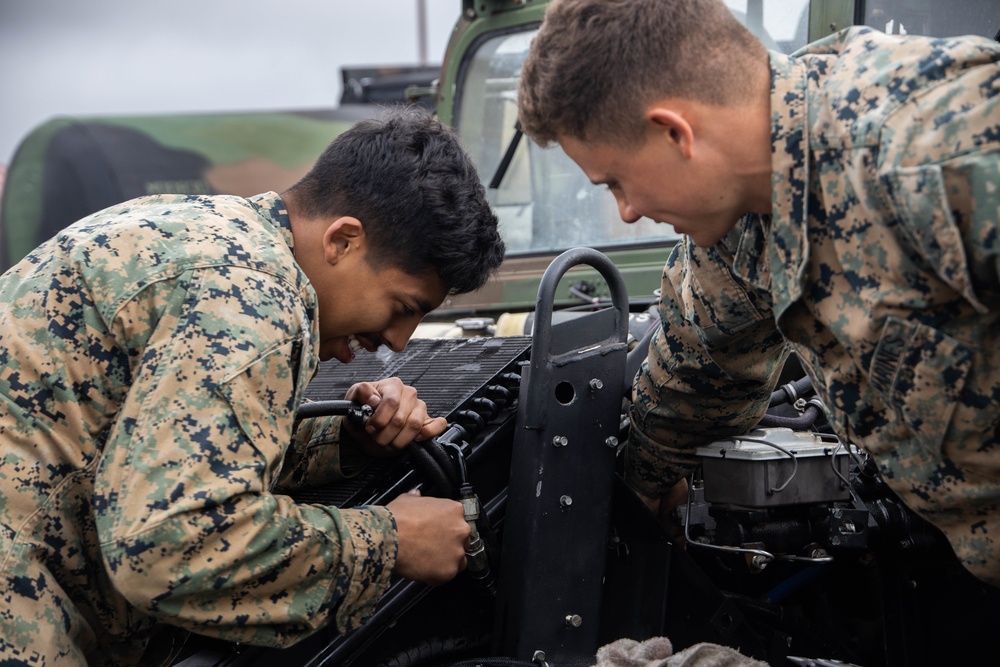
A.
pixel 596 64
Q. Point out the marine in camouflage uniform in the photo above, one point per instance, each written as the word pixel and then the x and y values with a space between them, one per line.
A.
pixel 152 362
pixel 878 265
pixel 153 357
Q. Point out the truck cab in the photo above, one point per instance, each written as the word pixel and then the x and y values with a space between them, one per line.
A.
pixel 544 201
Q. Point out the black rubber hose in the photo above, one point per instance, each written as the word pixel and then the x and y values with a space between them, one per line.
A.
pixel 430 468
pixel 444 462
pixel 805 420
pixel 508 155
pixel 792 391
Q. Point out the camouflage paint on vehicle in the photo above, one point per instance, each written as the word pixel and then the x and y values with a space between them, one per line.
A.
pixel 69 168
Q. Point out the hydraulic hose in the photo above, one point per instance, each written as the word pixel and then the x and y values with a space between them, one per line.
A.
pixel 442 461
pixel 805 420
pixel 791 392
pixel 431 468
pixel 356 413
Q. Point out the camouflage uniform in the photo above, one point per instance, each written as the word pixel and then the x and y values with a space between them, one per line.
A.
pixel 878 266
pixel 153 356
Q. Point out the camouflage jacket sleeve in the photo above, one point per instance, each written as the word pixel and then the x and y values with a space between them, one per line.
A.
pixel 320 454
pixel 189 527
pixel 711 365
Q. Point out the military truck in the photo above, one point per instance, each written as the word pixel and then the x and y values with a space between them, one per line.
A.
pixel 830 569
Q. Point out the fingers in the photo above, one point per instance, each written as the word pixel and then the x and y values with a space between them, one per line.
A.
pixel 653 504
pixel 364 393
pixel 434 426
pixel 400 417
pixel 432 534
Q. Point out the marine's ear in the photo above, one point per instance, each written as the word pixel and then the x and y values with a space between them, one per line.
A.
pixel 668 121
pixel 344 235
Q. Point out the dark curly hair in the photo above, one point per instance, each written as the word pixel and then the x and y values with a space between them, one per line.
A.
pixel 408 180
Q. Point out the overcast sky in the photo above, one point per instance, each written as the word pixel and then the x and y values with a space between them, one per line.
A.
pixel 122 57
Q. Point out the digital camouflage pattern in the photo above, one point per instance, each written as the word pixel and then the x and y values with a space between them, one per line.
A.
pixel 152 357
pixel 878 266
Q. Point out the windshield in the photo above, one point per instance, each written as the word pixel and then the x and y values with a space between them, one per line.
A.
pixel 783 25
pixel 934 17
pixel 544 202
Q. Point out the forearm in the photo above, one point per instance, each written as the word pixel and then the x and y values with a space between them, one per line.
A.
pixel 321 453
pixel 258 568
pixel 189 527
pixel 709 374
pixel 668 428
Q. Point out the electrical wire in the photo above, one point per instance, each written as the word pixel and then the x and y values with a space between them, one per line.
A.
pixel 795 462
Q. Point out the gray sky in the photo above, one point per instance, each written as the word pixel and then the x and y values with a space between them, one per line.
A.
pixel 123 57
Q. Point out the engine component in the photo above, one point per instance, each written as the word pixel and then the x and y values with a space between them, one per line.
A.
pixel 773 467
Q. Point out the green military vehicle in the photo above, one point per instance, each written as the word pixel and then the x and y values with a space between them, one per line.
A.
pixel 843 576
pixel 70 167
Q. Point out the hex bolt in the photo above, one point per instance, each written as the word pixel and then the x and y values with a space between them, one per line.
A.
pixel 612 442
pixel 565 501
pixel 574 620
pixel 560 441
pixel 596 383
pixel 759 562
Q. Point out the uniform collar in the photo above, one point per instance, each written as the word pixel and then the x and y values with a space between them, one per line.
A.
pixel 272 208
pixel 788 251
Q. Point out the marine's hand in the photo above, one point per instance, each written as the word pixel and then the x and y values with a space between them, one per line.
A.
pixel 663 508
pixel 651 503
pixel 400 417
pixel 432 537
